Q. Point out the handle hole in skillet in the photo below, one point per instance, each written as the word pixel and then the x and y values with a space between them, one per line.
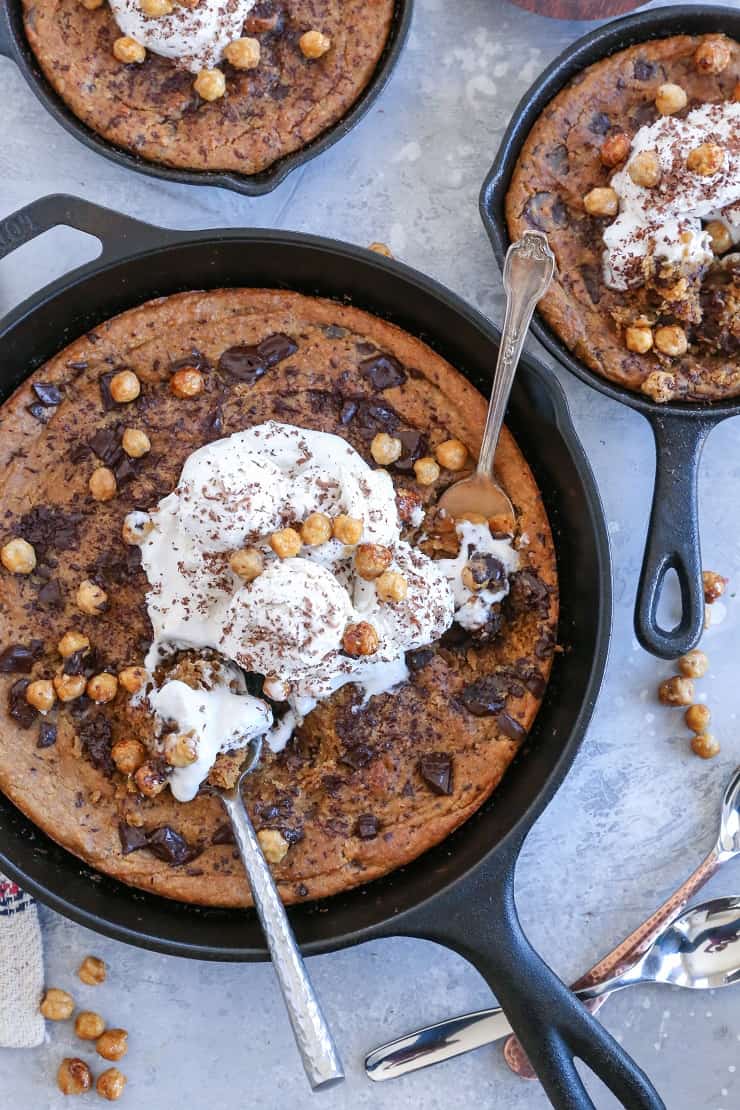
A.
pixel 600 1094
pixel 34 264
pixel 668 613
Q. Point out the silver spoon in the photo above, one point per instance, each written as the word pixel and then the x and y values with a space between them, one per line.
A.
pixel 456 1036
pixel 528 271
pixel 312 1034
pixel 700 950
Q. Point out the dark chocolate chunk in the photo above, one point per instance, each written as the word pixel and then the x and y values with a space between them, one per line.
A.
pixel 40 412
pixel 375 416
pixel 168 845
pixel 18 707
pixel 292 835
pixel 358 756
pixel 486 696
pixel 349 408
pixel 50 529
pixel 47 735
pixel 487 570
pixel 248 363
pixel 546 211
pixel 215 421
pixel 48 394
pixel 591 276
pixel 414 446
pixel 105 394
pixel 132 839
pixel 643 69
pixel 417 660
pixel 600 123
pixel 436 770
pixel 78 453
pixel 106 444
pixel 333 331
pixel 528 593
pixel 124 470
pixel 367 826
pixel 20 658
pixel 96 737
pixel 196 360
pixel 557 160
pixel 383 371
pixel 50 595
pixel 74 664
pixel 224 834
pixel 331 784
pixel 510 727
pixel 301 890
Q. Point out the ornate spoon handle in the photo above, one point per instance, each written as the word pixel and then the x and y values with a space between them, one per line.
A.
pixel 312 1034
pixel 623 955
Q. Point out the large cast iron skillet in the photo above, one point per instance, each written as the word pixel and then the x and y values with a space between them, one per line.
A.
pixel 680 430
pixel 461 893
pixel 13 44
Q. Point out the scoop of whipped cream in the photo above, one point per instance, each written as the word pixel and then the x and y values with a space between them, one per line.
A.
pixel 288 623
pixel 193 35
pixel 666 221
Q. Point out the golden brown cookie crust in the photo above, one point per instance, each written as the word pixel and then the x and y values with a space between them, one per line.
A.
pixel 561 162
pixel 343 763
pixel 268 112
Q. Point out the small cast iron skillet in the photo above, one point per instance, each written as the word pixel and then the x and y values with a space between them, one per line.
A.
pixel 14 45
pixel 460 893
pixel 680 430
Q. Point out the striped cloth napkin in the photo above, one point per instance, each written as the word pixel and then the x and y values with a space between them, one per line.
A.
pixel 21 969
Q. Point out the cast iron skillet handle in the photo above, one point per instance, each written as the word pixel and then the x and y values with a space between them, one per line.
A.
pixel 6 39
pixel 119 235
pixel 673 538
pixel 480 922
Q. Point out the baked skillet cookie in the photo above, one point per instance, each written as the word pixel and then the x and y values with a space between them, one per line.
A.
pixel 229 85
pixel 218 519
pixel 633 171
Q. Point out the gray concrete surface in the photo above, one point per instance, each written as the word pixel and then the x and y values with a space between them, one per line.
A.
pixel 638 809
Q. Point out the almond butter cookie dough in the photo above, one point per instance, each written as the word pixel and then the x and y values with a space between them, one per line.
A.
pixel 229 85
pixel 175 524
pixel 633 171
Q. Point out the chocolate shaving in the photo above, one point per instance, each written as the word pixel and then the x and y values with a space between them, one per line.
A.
pixel 96 737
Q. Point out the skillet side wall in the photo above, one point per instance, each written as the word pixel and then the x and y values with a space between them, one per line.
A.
pixel 540 422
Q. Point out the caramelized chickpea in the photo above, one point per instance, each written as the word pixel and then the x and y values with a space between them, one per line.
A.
pixel 705 745
pixel 136 443
pixel 155 9
pixel 91 599
pixel 381 248
pixel 371 559
pixel 113 1044
pixel 286 543
pixel 697 717
pixel 248 563
pixel 706 159
pixel 40 694
pixel 694 664
pixel 91 5
pixel 360 639
pixel 124 387
pixel 18 556
pixel 129 51
pixel 714 586
pixel 187 382
pixel 385 449
pixel 409 503
pixel 670 98
pixel 74 1076
pixel 128 755
pixel 316 529
pixel 111 1084
pixel 274 845
pixel 136 527
pixel 69 687
pixel 615 149
pixel 671 340
pixel 601 202
pixel 89 1025
pixel 150 780
pixel 102 688
pixel 92 971
pixel 102 484
pixel 676 691
pixel 451 454
pixel 314 44
pixel 347 529
pixel 426 471
pixel 133 678
pixel 73 642
pixel 243 53
pixel 712 56
pixel 57 1005
pixel 391 586
pixel 180 749
pixel 720 235
pixel 659 385
pixel 638 338
pixel 210 84
pixel 644 169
